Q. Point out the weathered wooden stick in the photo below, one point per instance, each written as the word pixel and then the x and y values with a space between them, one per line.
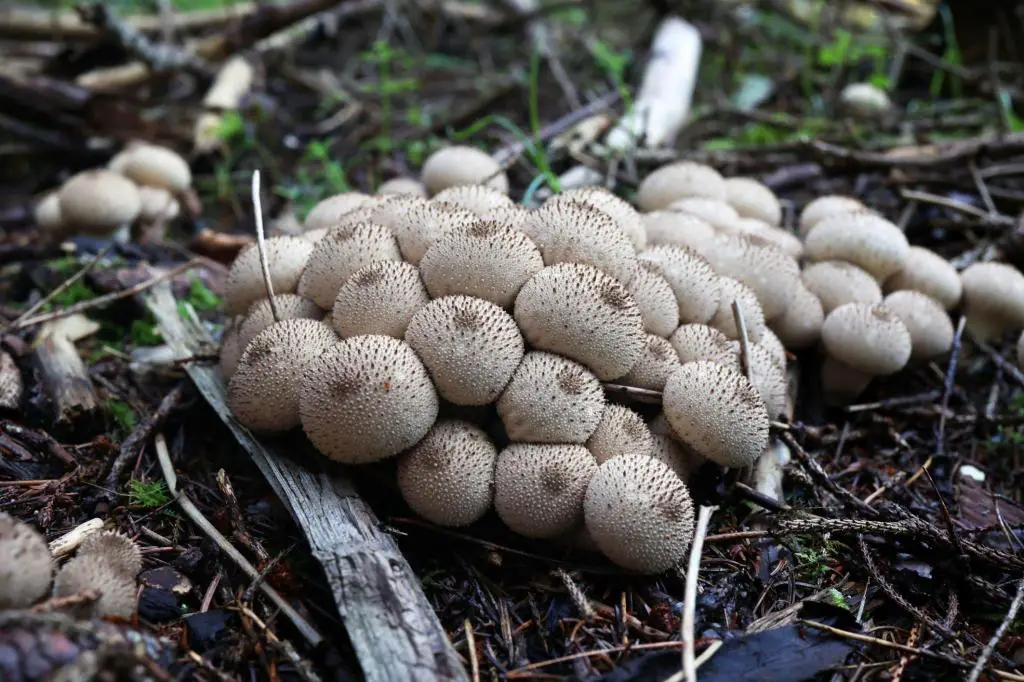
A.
pixel 65 379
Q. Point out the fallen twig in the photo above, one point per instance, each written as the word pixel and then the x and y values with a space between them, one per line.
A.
pixel 986 654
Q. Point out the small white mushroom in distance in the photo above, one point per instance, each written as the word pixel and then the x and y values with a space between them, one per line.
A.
pixel 639 513
pixel 366 399
pixel 448 477
pixel 800 326
pixel 380 298
pixel 418 223
pixel 697 342
pixel 119 551
pixel 691 277
pixel 261 316
pixel 462 165
pixel 470 347
pixel 715 410
pixel 98 202
pixel 835 282
pixel 626 217
pixel 993 299
pixel 677 181
pixel 929 273
pixel 753 317
pixel 286 260
pixel 551 399
pixel 93 572
pixel 867 340
pixel 655 299
pixel 263 392
pixel 718 214
pixel 26 566
pixel 822 207
pixel 341 252
pixel 931 330
pixel 328 212
pixel 653 368
pixel 156 166
pixel 157 204
pixel 46 214
pixel 539 489
pixel 771 274
pixel 584 314
pixel 481 259
pixel 674 228
pixel 407 186
pixel 621 431
pixel 479 199
pixel 752 199
pixel 867 240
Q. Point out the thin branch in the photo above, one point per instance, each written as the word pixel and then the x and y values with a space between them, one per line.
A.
pixel 261 244
pixel 1011 615
pixel 690 593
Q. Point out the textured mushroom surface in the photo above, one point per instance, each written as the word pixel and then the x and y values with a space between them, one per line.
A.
pixel 724 320
pixel 761 233
pixel 773 345
pixel 11 386
pixel 624 215
pixel 655 299
pixel 639 513
pixel 718 214
pixel 380 298
pixel 691 277
pixel 98 202
pixel 448 477
pixel 584 314
pixel 462 165
pixel 675 228
pixel 539 489
pixel 341 252
pixel 800 326
pixel 418 223
pixel 652 370
pixel 867 240
pixel 993 299
pixel 479 199
pixel 768 272
pixel 470 346
pixel 822 207
pixel 680 458
pixel 677 181
pixel 366 398
pixel 868 338
pixel 929 273
pixel 156 166
pixel 696 342
pixel 621 431
pixel 768 378
pixel 752 199
pixel 92 572
pixel 835 282
pixel 261 315
pixel 26 566
pixel 715 410
pixel 119 551
pixel 328 212
pixel 286 260
pixel 931 330
pixel 551 399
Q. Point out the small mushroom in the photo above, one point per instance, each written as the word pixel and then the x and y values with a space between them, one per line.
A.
pixel 26 566
pixel 653 368
pixel 462 165
pixel 380 298
pixel 155 166
pixel 762 233
pixel 716 213
pixel 993 299
pixel 46 214
pixel 119 551
pixel 865 100
pixel 677 181
pixel 621 431
pixel 478 199
pixel 328 212
pixel 768 272
pixel 862 341
pixel 11 386
pixel 157 204
pixel 675 228
pixel 98 202
pixel 864 239
pixel 625 216
pixel 800 326
pixel 680 458
pixel 407 186
pixel 344 250
pixel 418 223
pixel 691 277
pixel 700 342
pixel 929 273
pixel 286 260
pixel 825 206
pixel 261 315
pixel 730 290
pixel 931 331
pixel 834 283
pixel 94 572
pixel 752 199
pixel 656 301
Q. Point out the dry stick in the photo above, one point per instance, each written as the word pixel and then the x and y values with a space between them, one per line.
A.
pixel 474 661
pixel 261 244
pixel 947 385
pixel 129 448
pixel 741 325
pixel 973 211
pixel 308 631
pixel 63 285
pixel 69 542
pixel 302 667
pixel 1011 615
pixel 690 593
pixel 1000 361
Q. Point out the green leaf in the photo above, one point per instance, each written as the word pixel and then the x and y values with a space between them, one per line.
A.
pixel 122 413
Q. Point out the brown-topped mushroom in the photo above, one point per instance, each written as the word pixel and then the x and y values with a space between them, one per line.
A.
pixel 625 216
pixel 342 251
pixel 418 223
pixel 379 298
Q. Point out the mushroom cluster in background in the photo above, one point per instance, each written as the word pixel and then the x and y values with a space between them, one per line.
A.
pixel 478 341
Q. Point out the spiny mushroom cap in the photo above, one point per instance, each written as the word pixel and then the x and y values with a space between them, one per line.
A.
pixel 840 383
pixel 835 282
pixel 286 260
pixel 230 346
pixel 261 315
pixel 993 299
pixel 263 393
pixel 653 368
pixel 25 564
pixel 715 410
pixel 868 338
pixel 753 316
pixel 621 431
pixel 625 216
pixel 773 344
pixel 931 331
pixel 539 489
pixel 418 223
pixel 470 346
pixel 98 202
pixel 119 551
pixel 752 199
pixel 691 277
pixel 551 399
pixel 328 212
pixel 379 298
pixel 822 207
pixel 800 326
pixel 46 213
pixel 674 228
pixel 584 314
pixel 366 399
pixel 92 572
pixel 768 378
pixel 678 181
pixel 513 215
pixel 402 186
pixel 448 477
pixel 481 259
pixel 343 251
pixel 156 203
pixel 479 199
pixel 697 342
pixel 639 513
pixel 656 301
pixel 761 233
pixel 929 273
pixel 462 165
pixel 864 239
pixel 573 232
pixel 156 166
pixel 771 275
pixel 11 386
pixel 680 458
pixel 717 213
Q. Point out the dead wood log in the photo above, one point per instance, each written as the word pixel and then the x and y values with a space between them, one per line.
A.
pixel 66 382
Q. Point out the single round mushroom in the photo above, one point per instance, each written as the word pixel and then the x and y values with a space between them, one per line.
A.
pixel 931 331
pixel 753 199
pixel 716 411
pixel 700 342
pixel 772 275
pixel 800 326
pixel 869 340
pixel 156 166
pixel 691 277
pixel 119 551
pixel 868 241
pixel 539 489
pixel 407 186
pixel 46 214
pixel 760 232
pixel 677 181
pixel 261 315
pixel 379 298
pixel 157 204
pixel 929 273
pixel 730 290
pixel 639 513
pixel 344 250
pixel 462 165
pixel 286 260
pixel 478 199
pixel 448 477
pixel 993 299
pixel 773 344
pixel 11 386
pixel 418 223
pixel 328 212
pixel 584 314
pixel 625 216
pixel 621 431
pixel 230 346
pixel 825 206
pixel 674 228
pixel 481 259
pixel 551 399
pixel 835 283
pixel 653 368
pixel 865 101
pixel 679 457
pixel 768 378
pixel 98 202
pixel 26 565
pixel 716 213
pixel 263 393
pixel 366 398
pixel 656 301
pixel 92 572
pixel 470 346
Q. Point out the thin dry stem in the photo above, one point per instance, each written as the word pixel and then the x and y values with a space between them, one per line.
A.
pixel 741 325
pixel 261 244
pixel 690 593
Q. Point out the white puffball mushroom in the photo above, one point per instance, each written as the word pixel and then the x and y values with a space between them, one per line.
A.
pixel 835 282
pixel 156 166
pixel 677 181
pixel 98 202
pixel 867 240
pixel 800 326
pixel 691 277
pixel 478 199
pixel 753 199
pixel 328 212
pixel 286 260
pixel 261 315
pixel 865 100
pixel 656 301
pixel 462 165
pixel 822 207
pixel 621 211
pixel 724 320
pixel 342 251
pixel 653 368
pixel 380 298
pixel 929 273
pixel 931 330
pixel 993 299
pixel 621 431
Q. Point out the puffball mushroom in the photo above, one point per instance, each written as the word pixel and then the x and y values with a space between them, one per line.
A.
pixel 157 204
pixel 342 251
pixel 470 347
pixel 993 299
pixel 773 344
pixel 93 572
pixel 652 370
pixel 380 298
pixel 697 342
pixel 822 207
pixel 261 315
pixel 407 186
pixel 624 215
pixel 865 341
pixel 716 411
pixel 763 234
pixel 800 326
pixel 328 212
pixel 716 213
pixel 865 100
pixel 551 399
pixel 867 240
pixel 753 199
pixel 263 393
pixel 286 260
pixel 481 259
pixel 418 223
pixel 929 273
pixel 462 165
pixel 679 457
pixel 539 489
pixel 768 272
pixel 677 181
pixel 584 314
pixel 26 565
pixel 639 513
pixel 621 431
pixel 674 228
pixel 46 214
pixel 656 301
pixel 11 386
pixel 366 398
pixel 119 551
pixel 478 199
pixel 931 331
pixel 725 321
pixel 448 477
pixel 156 166
pixel 691 277
pixel 835 282
pixel 98 202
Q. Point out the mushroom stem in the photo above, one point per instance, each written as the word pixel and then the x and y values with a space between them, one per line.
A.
pixel 257 209
pixel 741 325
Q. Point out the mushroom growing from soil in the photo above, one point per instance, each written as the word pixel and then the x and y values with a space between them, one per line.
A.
pixel 366 398
pixel 867 240
pixel 655 299
pixel 380 298
pixel 768 272
pixel 156 166
pixel 621 431
pixel 98 202
pixel 691 277
pixel 931 330
pixel 448 477
pixel 261 316
pixel 622 212
pixel 929 273
pixel 462 165
pixel 674 228
pixel 328 212
pixel 286 259
pixel 406 186
pixel 862 341
pixel 639 513
pixel 993 299
pixel 539 489
pixel 478 199
pixel 677 181
pixel 94 572
pixel 753 199
pixel 834 283
pixel 119 551
pixel 343 251
pixel 26 566
pixel 800 326
pixel 652 370
pixel 822 207
pixel 11 386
